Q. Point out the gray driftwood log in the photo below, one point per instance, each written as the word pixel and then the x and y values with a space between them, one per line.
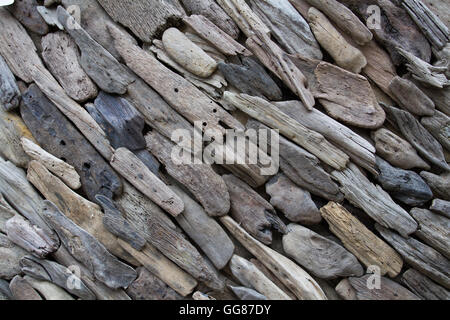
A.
pixel 9 92
pixel 424 287
pixel 27 14
pixel 149 287
pixel 441 206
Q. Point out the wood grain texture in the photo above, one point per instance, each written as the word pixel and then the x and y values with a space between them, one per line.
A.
pixel 149 287
pixel 10 255
pixel 9 92
pixel 424 287
pixel 439 184
pixel 441 206
pixel 360 241
pixel 439 126
pixel 25 11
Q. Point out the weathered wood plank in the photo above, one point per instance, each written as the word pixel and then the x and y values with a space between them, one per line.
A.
pixel 61 169
pixel 439 184
pixel 26 12
pixel 424 287
pixel 439 126
pixel 420 256
pixel 442 207
pixel 294 277
pixel 60 54
pixel 360 241
pixel 322 257
pixel 9 92
pixel 149 287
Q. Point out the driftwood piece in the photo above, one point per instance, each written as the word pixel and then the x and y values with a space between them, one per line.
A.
pixel 344 54
pixel 376 202
pixel 358 289
pixel 251 78
pixel 399 152
pixel 212 33
pixel 439 184
pixel 101 291
pixel 176 90
pixel 188 54
pixel 50 16
pixel 434 230
pixel 99 64
pixel 419 256
pixel 85 248
pixel 204 231
pixel 432 27
pixel 57 274
pixel 418 136
pixel 59 137
pixel 424 287
pixel 289 273
pixel 250 276
pixel 115 223
pixel 439 126
pixel 163 268
pixel 442 207
pixel 146 18
pixel 12 129
pixel 404 185
pixel 26 12
pixel 322 257
pixel 149 160
pixel 30 237
pixel 9 92
pixel 303 168
pixel 253 212
pixel 410 97
pixel 132 169
pixel 244 294
pixel 358 148
pixel 6 213
pixel 269 114
pixel 22 290
pixel 200 179
pixel 295 203
pixel 288 27
pixel 360 241
pixel 149 287
pixel 48 290
pixel 213 12
pixel 61 169
pixel 61 55
pixel 5 292
pixel 10 255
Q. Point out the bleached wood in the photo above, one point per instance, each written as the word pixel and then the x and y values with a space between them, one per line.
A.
pixel 49 290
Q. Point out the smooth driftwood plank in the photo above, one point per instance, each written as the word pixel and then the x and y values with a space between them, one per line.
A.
pixel 57 274
pixel 22 290
pixel 418 136
pixel 213 12
pixel 149 287
pixel 16 47
pixel 360 241
pixel 211 32
pixel 404 185
pixel 269 114
pixel 420 256
pixel 133 170
pixel 358 289
pixel 98 63
pixel 26 12
pixel 376 202
pixel 288 27
pixel 145 18
pixel 204 231
pixel 60 54
pixel 84 213
pixel 177 91
pixel 250 276
pixel 10 255
pixel 399 152
pixel 359 149
pixel 163 268
pixel 410 97
pixel 344 19
pixel 251 78
pixel 303 168
pixel 441 206
pixel 295 203
pixel 439 184
pixel 101 291
pixel 289 273
pixel 200 179
pixel 12 129
pixel 424 287
pixel 322 257
pixel 9 92
pixel 85 248
pixel 58 136
pixel 61 169
pixel 434 230
pixel 187 54
pixel 344 54
pixel 253 212
pixel 439 126
pixel 30 237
